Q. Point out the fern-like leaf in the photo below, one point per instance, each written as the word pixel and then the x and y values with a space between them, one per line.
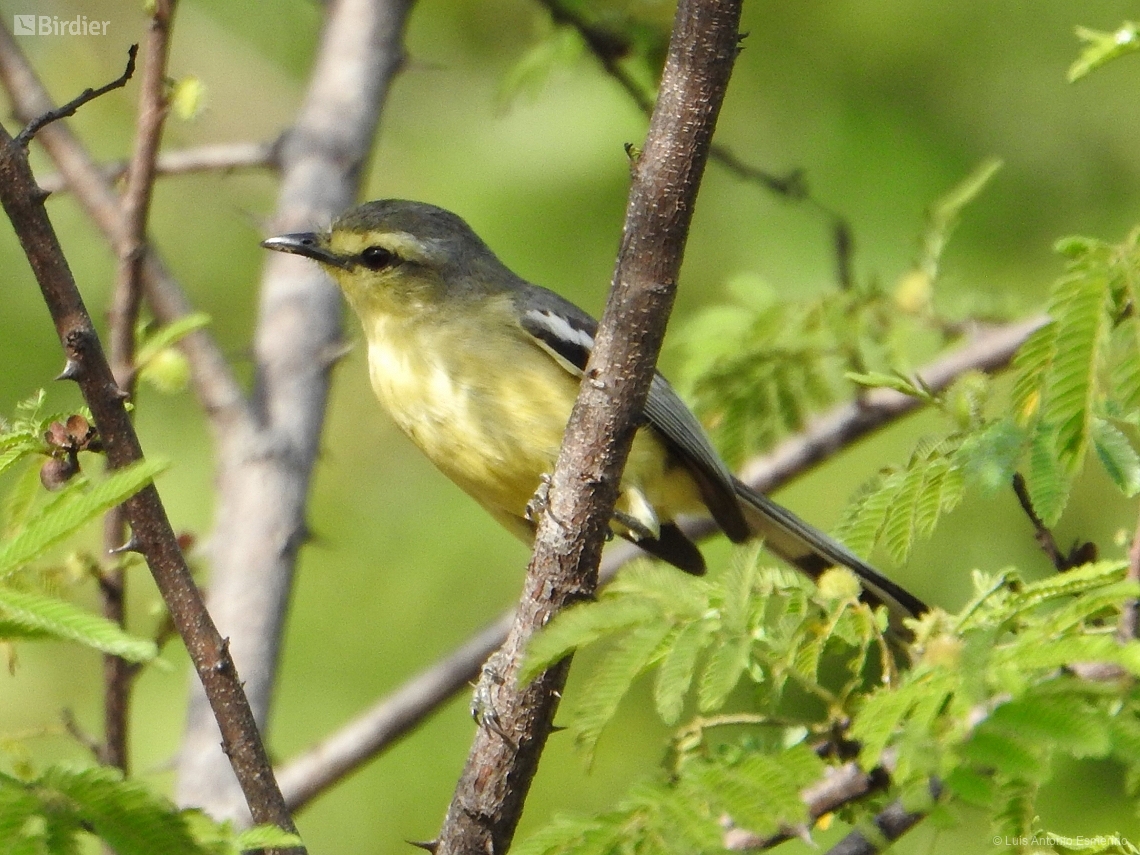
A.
pixel 582 625
pixel 675 676
pixel 1118 456
pixel 72 511
pixel 1080 307
pixel 1047 479
pixel 614 676
pixel 39 613
pixel 723 671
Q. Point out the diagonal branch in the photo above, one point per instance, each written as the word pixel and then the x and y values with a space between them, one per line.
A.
pixel 151 531
pixel 492 790
pixel 69 109
pixel 305 777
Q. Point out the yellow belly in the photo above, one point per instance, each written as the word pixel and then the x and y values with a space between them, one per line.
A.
pixel 496 436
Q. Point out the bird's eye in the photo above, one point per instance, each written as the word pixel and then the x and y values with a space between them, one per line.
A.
pixel 378 258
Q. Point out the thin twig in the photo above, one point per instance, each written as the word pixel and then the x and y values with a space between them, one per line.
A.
pixel 214 382
pixel 373 731
pixel 152 534
pixel 223 157
pixel 610 46
pixel 44 119
pixel 1081 553
pixel 489 797
pixel 123 318
pixel 135 204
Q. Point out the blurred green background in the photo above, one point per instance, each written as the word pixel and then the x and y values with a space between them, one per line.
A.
pixel 884 104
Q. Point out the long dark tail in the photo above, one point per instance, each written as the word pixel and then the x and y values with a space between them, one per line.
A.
pixel 812 551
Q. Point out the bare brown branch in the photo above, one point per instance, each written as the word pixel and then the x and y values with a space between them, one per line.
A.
pixel 491 791
pixel 151 531
pixel 1081 553
pixel 307 776
pixel 892 822
pixel 610 47
pixel 125 304
pixel 69 109
pixel 223 157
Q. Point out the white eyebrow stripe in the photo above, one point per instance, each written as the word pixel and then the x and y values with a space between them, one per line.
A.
pixel 561 328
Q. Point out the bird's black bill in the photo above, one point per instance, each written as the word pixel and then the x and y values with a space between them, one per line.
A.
pixel 307 244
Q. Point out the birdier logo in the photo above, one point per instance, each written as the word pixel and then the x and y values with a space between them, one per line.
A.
pixel 53 25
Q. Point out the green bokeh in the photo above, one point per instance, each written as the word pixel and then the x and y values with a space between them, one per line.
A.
pixel 884 104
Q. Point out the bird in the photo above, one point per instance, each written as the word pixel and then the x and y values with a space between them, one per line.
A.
pixel 480 369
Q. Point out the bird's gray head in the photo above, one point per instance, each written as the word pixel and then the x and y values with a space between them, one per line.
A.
pixel 394 249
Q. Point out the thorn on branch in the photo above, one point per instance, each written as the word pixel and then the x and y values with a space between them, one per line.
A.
pixel 426 845
pixel 132 545
pixel 71 107
pixel 71 370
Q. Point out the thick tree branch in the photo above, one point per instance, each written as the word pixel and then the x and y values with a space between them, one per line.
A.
pixel 151 531
pixel 264 464
pixel 489 797
pixel 307 776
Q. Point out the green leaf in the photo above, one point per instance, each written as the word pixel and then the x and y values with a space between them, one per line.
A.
pixel 759 793
pixel 942 217
pixel 265 836
pixel 1080 306
pixel 581 625
pixel 613 677
pixel 39 613
pixel 722 672
pixel 1030 364
pixel 989 457
pixel 675 674
pixel 971 786
pixel 1061 722
pixel 169 335
pixel 864 518
pixel 898 531
pixel 879 380
pixel 1046 479
pixel 561 47
pixel 1102 47
pixel 124 814
pixel 1118 456
pixel 879 719
pixel 1006 752
pixel 1014 812
pixel 72 510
